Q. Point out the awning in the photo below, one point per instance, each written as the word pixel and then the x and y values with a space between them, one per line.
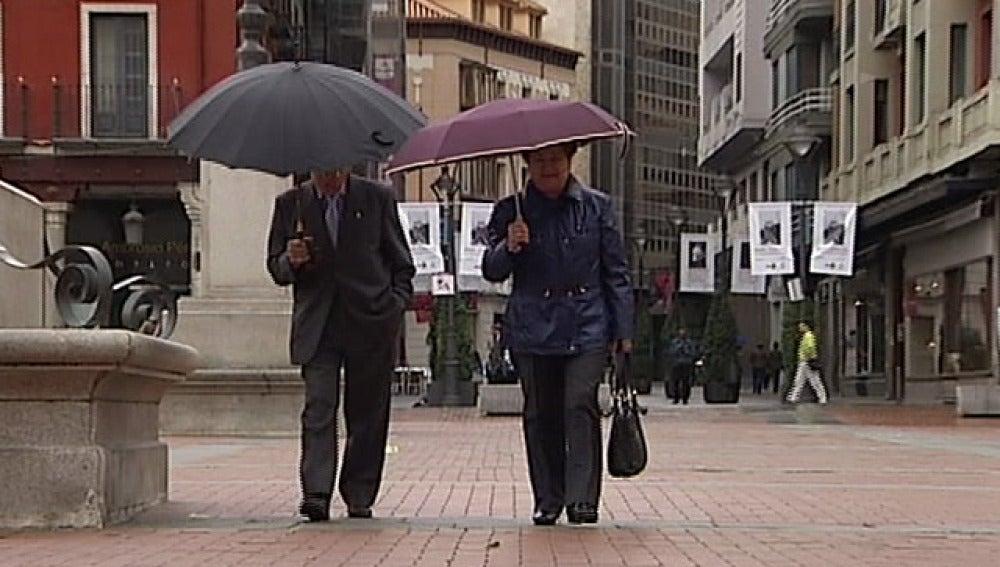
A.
pixel 920 202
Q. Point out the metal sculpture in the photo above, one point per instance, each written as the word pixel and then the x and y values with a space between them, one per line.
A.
pixel 85 292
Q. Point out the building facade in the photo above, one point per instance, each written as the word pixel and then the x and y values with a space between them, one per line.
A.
pixel 915 145
pixel 84 116
pixel 645 70
pixel 460 54
pixel 736 105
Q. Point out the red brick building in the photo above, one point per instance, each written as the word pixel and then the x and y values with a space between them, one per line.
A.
pixel 88 91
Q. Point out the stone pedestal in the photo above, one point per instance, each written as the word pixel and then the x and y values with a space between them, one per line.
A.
pixel 79 417
pixel 236 317
pixel 237 402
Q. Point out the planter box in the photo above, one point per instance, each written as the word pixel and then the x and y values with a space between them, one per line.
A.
pixel 721 393
pixel 978 399
pixel 508 399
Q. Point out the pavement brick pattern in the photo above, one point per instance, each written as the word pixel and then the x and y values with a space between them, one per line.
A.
pixel 760 484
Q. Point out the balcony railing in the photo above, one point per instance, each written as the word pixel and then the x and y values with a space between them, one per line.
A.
pixel 966 129
pixel 814 100
pixel 779 9
pixel 109 111
pixel 714 19
pixel 723 114
pixel 719 106
pixel 889 21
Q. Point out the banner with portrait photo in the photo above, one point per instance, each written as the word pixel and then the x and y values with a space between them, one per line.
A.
pixel 770 233
pixel 422 227
pixel 742 279
pixel 834 227
pixel 473 239
pixel 697 263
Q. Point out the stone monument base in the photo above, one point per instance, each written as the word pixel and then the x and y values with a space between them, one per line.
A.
pixel 79 417
pixel 235 402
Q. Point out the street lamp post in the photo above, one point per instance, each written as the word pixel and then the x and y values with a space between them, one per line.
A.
pixel 679 223
pixel 723 267
pixel 446 189
pixel 800 144
pixel 252 20
pixel 639 241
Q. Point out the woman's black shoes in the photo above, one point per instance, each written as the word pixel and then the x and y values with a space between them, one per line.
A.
pixel 581 514
pixel 545 518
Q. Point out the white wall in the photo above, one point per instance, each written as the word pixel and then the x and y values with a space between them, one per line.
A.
pixel 22 221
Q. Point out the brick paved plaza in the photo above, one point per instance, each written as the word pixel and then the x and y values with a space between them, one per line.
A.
pixel 755 485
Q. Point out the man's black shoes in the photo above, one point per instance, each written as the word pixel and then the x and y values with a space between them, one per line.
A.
pixel 581 514
pixel 315 507
pixel 545 518
pixel 360 513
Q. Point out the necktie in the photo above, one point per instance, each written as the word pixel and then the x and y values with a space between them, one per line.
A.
pixel 334 206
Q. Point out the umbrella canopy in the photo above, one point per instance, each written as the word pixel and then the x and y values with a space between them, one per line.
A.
pixel 506 126
pixel 286 118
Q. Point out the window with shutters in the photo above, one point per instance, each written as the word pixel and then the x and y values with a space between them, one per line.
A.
pixel 119 86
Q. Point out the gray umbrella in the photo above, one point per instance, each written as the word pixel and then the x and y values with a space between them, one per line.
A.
pixel 286 118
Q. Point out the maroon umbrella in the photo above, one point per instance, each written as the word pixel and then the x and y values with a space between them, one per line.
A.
pixel 505 126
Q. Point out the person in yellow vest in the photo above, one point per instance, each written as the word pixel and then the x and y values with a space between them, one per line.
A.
pixel 808 366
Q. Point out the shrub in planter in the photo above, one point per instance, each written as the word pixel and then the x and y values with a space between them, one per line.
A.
pixel 721 381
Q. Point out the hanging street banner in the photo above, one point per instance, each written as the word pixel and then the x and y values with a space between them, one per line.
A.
pixel 742 279
pixel 834 227
pixel 697 263
pixel 422 227
pixel 474 238
pixel 770 232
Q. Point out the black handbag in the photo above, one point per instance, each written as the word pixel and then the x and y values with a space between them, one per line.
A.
pixel 627 452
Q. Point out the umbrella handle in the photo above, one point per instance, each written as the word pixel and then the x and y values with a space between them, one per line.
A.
pixel 517 193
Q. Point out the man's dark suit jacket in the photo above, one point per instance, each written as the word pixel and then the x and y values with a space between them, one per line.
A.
pixel 365 284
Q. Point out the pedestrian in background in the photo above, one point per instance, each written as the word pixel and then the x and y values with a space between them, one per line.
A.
pixel 683 352
pixel 758 369
pixel 775 362
pixel 808 366
pixel 571 298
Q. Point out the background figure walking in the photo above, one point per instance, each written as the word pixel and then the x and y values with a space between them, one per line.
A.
pixel 571 298
pixel 808 367
pixel 758 368
pixel 683 353
pixel 775 362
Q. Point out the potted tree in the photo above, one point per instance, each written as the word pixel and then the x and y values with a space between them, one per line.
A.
pixel 721 382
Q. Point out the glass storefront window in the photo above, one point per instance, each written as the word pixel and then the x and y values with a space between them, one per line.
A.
pixel 950 320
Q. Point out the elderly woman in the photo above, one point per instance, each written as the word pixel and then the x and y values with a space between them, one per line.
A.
pixel 571 301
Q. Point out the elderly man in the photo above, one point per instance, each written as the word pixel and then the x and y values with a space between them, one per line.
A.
pixel 571 300
pixel 337 240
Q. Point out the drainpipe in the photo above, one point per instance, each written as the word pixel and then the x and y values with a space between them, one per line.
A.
pixel 995 291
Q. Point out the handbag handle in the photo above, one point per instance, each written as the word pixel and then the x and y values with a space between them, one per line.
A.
pixel 622 375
